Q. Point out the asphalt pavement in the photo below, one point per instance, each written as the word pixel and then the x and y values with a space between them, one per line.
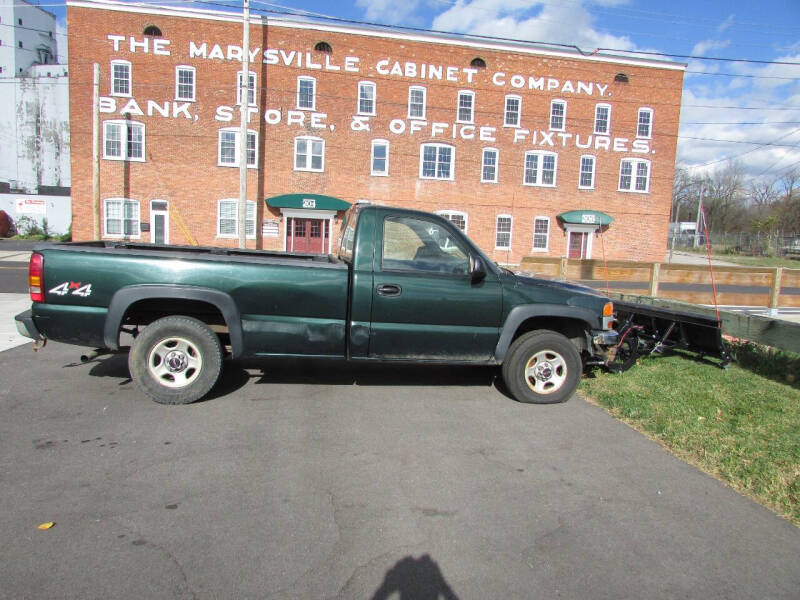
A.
pixel 323 480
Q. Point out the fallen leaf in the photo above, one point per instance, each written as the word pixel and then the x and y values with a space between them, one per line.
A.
pixel 47 525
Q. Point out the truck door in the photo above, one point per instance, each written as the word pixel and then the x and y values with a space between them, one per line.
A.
pixel 425 305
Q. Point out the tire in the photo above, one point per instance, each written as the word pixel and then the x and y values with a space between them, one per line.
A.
pixel 175 360
pixel 542 367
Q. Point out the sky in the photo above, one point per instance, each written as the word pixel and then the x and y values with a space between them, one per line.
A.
pixel 752 107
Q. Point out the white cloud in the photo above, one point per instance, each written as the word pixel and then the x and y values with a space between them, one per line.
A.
pixel 562 23
pixel 392 12
pixel 725 24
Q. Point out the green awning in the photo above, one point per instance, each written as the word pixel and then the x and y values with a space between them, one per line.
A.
pixel 307 201
pixel 585 217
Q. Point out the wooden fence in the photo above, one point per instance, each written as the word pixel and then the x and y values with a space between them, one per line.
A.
pixel 736 286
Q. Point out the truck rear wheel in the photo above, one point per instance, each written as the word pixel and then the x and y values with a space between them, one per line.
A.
pixel 542 367
pixel 175 360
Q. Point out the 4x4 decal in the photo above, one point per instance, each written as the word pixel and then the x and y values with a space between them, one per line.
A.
pixel 76 288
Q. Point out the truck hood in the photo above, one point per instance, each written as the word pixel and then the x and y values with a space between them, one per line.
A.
pixel 537 289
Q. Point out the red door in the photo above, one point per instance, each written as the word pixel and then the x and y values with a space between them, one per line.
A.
pixel 577 244
pixel 307 235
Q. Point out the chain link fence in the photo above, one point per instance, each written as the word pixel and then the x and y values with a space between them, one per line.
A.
pixel 751 244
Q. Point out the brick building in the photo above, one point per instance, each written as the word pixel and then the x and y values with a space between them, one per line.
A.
pixel 529 149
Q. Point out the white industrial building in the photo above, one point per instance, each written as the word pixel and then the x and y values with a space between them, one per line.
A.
pixel 34 101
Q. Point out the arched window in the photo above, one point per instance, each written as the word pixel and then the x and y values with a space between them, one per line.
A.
pixel 621 78
pixel 152 31
pixel 323 47
pixel 478 63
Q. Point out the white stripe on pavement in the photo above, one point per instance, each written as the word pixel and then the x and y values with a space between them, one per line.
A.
pixel 11 305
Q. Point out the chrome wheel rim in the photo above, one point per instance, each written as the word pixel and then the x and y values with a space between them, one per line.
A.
pixel 175 362
pixel 546 372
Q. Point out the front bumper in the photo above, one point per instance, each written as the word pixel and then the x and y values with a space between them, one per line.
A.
pixel 26 326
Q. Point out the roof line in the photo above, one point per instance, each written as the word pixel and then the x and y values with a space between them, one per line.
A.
pixel 451 39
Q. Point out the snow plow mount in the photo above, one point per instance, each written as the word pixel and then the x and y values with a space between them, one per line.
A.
pixel 646 330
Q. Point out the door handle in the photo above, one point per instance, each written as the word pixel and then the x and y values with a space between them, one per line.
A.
pixel 389 289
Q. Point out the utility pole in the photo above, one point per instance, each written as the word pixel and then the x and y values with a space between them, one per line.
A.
pixel 96 151
pixel 699 214
pixel 244 95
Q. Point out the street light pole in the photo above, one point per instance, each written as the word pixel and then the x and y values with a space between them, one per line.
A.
pixel 244 96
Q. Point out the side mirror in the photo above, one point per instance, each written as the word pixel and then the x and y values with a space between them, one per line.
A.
pixel 476 269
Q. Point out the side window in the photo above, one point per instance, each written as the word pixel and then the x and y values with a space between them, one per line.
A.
pixel 411 244
pixel 347 235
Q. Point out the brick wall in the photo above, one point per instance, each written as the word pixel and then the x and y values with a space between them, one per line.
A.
pixel 181 167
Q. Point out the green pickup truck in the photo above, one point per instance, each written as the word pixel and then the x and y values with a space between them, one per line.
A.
pixel 403 286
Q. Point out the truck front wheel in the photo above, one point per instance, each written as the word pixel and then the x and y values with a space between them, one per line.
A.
pixel 542 367
pixel 175 360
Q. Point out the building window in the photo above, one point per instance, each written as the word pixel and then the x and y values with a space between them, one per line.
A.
pixel 558 114
pixel 121 217
pixel 184 83
pixel 123 140
pixel 436 161
pixel 120 78
pixel 602 119
pixel 416 102
pixel 228 147
pixel 586 179
pixel 152 31
pixel 634 175
pixel 324 47
pixel 228 219
pixel 540 168
pixel 19 21
pixel 457 218
pixel 380 158
pixel 477 63
pixel 489 166
pixel 512 112
pixel 366 98
pixel 20 43
pixel 251 88
pixel 644 126
pixel 306 93
pixel 309 154
pixel 466 107
pixel 502 233
pixel 541 234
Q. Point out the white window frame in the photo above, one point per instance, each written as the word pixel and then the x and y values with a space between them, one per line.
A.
pixel 309 155
pixel 365 84
pixel 496 164
pixel 539 164
pixel 563 117
pixel 649 111
pixel 580 171
pixel 126 126
pixel 506 113
pixel 471 95
pixel 547 238
pixel 191 69
pixel 438 146
pixel 608 120
pixel 126 63
pixel 237 150
pixel 239 75
pixel 635 162
pixel 460 213
pixel 313 95
pixel 590 230
pixel 424 91
pixel 122 235
pixel 235 234
pixel 510 231
pixel 372 171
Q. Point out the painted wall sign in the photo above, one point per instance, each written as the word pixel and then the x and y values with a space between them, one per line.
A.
pixel 416 71
pixel 30 206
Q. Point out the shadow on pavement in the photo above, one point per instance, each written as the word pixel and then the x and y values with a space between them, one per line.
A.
pixel 414 579
pixel 236 374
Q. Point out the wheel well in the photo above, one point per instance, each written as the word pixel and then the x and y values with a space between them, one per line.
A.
pixel 143 312
pixel 574 329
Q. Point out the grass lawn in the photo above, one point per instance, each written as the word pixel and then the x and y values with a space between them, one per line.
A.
pixel 739 426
